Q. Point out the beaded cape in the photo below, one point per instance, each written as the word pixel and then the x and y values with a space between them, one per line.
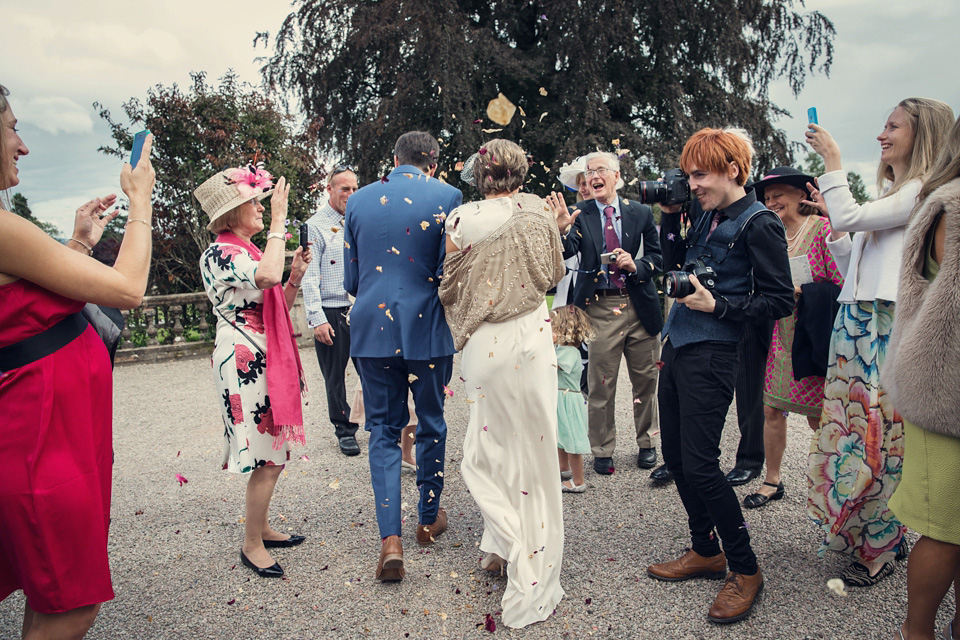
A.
pixel 505 275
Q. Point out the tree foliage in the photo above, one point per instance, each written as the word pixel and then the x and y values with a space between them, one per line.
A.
pixel 197 133
pixel 858 188
pixel 20 206
pixel 643 74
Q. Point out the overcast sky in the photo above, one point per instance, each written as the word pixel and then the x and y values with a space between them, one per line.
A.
pixel 59 57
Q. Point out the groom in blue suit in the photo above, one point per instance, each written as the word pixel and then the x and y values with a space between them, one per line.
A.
pixel 393 253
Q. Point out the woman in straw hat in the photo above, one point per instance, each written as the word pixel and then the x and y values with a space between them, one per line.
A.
pixel 56 392
pixel 260 404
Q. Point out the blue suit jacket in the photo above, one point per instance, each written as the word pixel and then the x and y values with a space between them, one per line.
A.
pixel 393 257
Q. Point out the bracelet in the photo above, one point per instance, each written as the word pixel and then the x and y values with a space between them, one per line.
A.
pixel 84 245
pixel 129 220
pixel 295 285
pixel 277 235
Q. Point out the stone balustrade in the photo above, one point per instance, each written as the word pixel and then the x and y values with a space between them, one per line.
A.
pixel 182 325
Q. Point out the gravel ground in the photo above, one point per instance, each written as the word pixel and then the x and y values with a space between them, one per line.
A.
pixel 176 572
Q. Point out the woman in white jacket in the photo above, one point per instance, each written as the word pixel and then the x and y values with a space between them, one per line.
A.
pixel 857 450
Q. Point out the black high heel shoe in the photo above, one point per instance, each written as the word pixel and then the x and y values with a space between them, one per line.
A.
pixel 275 571
pixel 755 500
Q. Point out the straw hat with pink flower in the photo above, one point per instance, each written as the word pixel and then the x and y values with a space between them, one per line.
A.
pixel 231 188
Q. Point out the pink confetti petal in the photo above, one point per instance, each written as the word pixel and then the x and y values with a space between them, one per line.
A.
pixel 181 480
pixel 489 624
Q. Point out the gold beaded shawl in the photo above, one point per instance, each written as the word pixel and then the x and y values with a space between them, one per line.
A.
pixel 506 274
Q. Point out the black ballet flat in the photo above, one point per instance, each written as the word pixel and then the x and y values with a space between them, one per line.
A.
pixel 275 571
pixel 755 500
pixel 292 541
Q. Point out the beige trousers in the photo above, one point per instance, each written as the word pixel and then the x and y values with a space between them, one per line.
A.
pixel 620 333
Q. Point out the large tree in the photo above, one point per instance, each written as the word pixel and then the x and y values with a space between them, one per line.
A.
pixel 197 133
pixel 637 76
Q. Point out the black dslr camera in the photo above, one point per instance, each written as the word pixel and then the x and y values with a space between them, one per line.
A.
pixel 673 190
pixel 676 284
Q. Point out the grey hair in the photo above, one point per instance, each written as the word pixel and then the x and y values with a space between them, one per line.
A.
pixel 4 92
pixel 613 162
pixel 4 106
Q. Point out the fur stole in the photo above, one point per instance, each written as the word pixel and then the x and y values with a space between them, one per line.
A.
pixel 922 367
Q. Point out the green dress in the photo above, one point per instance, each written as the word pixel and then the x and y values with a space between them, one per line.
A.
pixel 928 498
pixel 571 407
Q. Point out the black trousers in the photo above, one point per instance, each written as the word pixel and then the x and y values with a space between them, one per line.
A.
pixel 696 388
pixel 752 354
pixel 333 365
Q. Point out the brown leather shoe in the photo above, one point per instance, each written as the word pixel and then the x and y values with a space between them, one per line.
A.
pixel 390 567
pixel 736 599
pixel 690 565
pixel 427 533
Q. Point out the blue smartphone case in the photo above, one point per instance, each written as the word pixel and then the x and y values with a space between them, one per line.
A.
pixel 137 149
pixel 812 115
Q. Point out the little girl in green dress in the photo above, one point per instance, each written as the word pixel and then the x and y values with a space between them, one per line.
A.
pixel 571 327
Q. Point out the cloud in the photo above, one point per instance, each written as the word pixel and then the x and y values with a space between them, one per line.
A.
pixel 55 114
pixel 62 211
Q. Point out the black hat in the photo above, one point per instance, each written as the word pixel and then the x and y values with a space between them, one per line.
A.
pixel 782 175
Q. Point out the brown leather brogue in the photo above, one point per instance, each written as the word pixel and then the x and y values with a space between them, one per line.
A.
pixel 736 599
pixel 690 565
pixel 427 533
pixel 390 568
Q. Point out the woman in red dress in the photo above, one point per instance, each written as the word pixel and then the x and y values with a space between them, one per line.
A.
pixel 56 397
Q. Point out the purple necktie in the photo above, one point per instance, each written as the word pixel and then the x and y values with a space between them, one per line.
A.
pixel 714 223
pixel 612 242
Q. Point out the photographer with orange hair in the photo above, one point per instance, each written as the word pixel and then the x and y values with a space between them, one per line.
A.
pixel 739 249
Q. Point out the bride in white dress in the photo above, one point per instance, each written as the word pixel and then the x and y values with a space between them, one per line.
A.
pixel 503 254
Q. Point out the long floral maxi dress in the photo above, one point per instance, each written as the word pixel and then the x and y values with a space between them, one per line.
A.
pixel 857 451
pixel 780 390
pixel 239 361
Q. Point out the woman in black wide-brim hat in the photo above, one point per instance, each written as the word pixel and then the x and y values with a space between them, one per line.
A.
pixel 785 191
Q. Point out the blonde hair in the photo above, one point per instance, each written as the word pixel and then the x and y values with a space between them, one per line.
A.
pixel 226 222
pixel 929 122
pixel 4 105
pixel 947 165
pixel 571 326
pixel 501 167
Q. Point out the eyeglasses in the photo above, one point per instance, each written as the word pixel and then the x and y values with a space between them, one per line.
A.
pixel 601 171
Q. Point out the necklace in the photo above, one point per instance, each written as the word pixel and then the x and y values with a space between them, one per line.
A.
pixel 794 240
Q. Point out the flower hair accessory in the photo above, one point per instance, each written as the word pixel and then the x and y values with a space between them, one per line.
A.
pixel 251 180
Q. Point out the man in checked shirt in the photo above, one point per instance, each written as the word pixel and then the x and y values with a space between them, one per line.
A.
pixel 327 303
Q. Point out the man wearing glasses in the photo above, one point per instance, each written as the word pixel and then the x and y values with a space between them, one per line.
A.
pixel 327 303
pixel 620 254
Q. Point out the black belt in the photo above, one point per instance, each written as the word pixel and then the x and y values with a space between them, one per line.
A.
pixel 621 293
pixel 43 344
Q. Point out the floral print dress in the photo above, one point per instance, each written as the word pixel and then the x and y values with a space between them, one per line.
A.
pixel 239 360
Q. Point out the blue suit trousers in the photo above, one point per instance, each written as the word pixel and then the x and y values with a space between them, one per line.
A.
pixel 385 383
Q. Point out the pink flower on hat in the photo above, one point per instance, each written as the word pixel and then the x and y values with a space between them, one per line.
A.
pixel 250 180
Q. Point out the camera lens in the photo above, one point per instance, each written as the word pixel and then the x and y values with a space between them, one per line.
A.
pixel 676 284
pixel 652 191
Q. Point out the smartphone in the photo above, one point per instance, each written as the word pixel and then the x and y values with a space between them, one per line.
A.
pixel 812 115
pixel 137 149
pixel 608 258
pixel 304 236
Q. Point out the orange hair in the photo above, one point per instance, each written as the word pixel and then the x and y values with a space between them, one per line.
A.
pixel 714 149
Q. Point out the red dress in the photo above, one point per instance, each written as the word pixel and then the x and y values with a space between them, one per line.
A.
pixel 56 453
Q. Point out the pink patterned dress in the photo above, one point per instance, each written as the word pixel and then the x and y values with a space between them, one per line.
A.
pixel 780 390
pixel 250 437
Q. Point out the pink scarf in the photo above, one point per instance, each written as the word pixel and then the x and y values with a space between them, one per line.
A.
pixel 284 372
